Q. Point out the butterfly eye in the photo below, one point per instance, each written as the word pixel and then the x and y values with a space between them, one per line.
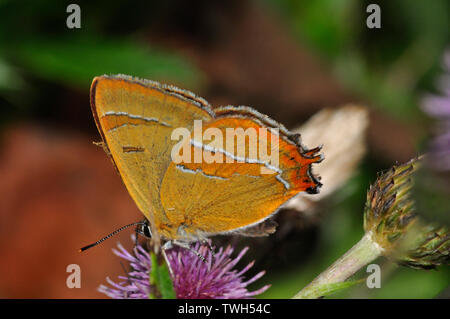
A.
pixel 146 231
pixel 143 229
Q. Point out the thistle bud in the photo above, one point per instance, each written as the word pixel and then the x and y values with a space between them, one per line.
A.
pixel 391 220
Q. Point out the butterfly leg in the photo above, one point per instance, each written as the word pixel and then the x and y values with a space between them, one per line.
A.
pixel 137 232
pixel 188 247
pixel 166 246
pixel 170 244
pixel 207 242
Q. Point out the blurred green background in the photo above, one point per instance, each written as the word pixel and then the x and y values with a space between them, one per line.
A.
pixel 286 58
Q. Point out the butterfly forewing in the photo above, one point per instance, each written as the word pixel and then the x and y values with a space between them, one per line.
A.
pixel 136 118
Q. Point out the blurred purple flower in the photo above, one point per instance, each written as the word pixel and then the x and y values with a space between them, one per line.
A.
pixel 438 106
pixel 192 277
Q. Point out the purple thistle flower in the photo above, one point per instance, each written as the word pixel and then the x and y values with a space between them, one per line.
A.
pixel 192 277
pixel 439 108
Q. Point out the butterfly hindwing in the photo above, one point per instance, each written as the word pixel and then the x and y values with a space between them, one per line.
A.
pixel 240 190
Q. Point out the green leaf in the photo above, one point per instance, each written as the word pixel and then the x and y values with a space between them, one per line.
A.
pixel 9 79
pixel 165 283
pixel 160 279
pixel 154 275
pixel 76 61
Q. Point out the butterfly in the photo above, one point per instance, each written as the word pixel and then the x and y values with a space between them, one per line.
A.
pixel 143 124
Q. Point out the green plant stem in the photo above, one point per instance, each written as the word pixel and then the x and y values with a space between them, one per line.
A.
pixel 354 259
pixel 154 275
